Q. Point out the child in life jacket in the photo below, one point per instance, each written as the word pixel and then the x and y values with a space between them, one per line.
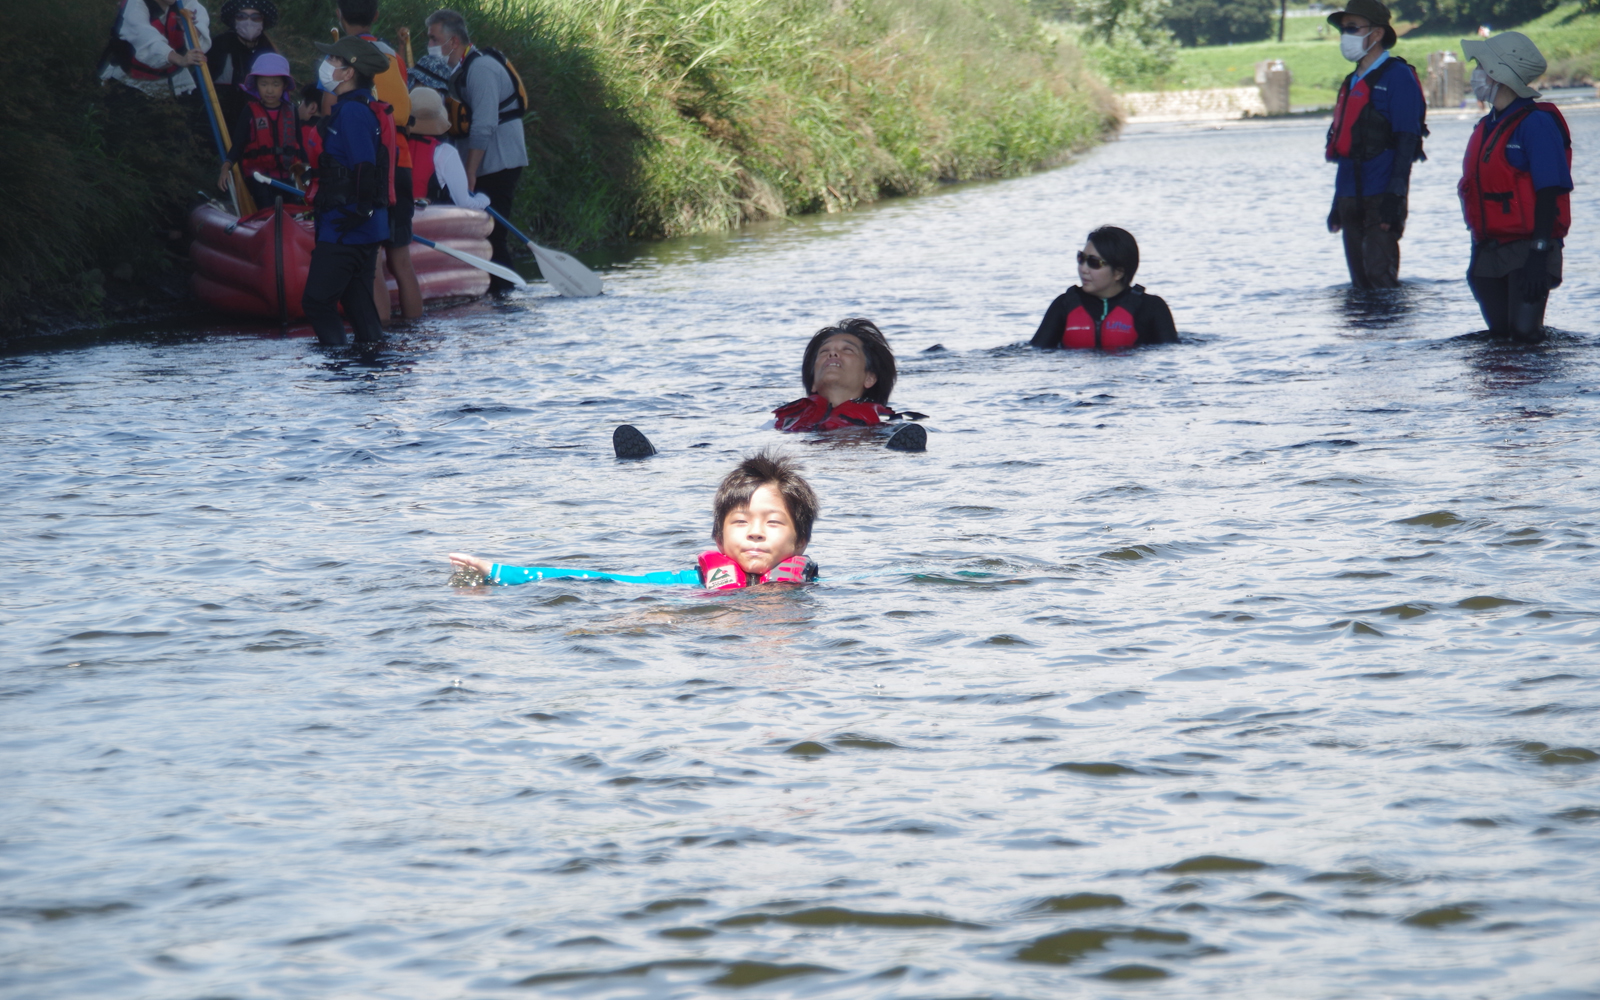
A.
pixel 1106 311
pixel 267 134
pixel 761 522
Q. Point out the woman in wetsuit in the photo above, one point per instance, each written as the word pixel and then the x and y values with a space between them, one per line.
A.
pixel 1106 310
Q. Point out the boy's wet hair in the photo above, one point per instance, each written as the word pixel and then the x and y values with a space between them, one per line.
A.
pixel 1118 248
pixel 880 359
pixel 766 468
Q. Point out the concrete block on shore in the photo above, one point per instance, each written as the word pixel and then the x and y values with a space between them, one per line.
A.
pixel 1216 104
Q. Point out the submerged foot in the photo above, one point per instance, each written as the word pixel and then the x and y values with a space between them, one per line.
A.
pixel 628 442
pixel 911 437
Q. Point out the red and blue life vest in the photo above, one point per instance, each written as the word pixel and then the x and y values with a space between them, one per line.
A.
pixel 721 572
pixel 813 413
pixel 1359 132
pixel 1113 332
pixel 1487 176
pixel 274 145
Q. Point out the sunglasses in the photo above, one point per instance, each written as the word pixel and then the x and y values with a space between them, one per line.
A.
pixel 1351 29
pixel 1095 263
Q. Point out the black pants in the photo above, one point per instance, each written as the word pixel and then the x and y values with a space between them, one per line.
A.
pixel 1370 252
pixel 342 273
pixel 501 187
pixel 1499 299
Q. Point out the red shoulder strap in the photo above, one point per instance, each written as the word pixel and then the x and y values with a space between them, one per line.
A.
pixel 720 572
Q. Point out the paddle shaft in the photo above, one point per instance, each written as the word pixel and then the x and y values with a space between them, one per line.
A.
pixel 567 275
pixel 242 202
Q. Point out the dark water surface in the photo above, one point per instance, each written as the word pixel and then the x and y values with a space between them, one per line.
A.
pixel 1259 666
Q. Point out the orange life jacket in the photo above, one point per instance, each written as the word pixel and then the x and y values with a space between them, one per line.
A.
pixel 170 24
pixel 1487 176
pixel 274 145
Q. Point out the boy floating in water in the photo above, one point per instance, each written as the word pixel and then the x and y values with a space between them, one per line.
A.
pixel 761 522
pixel 848 372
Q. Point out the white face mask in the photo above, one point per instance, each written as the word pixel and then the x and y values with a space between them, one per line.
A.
pixel 247 29
pixel 325 76
pixel 1483 88
pixel 437 51
pixel 1353 47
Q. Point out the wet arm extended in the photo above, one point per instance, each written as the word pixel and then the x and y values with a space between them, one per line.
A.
pixel 1048 336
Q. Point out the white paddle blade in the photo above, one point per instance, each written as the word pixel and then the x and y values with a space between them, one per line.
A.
pixel 567 275
pixel 483 265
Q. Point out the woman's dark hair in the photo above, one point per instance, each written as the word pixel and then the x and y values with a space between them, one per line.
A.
pixel 1118 248
pixel 766 468
pixel 880 359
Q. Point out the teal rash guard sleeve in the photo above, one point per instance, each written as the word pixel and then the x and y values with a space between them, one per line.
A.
pixel 513 575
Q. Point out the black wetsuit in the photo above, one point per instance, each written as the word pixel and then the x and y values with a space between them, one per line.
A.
pixel 1152 320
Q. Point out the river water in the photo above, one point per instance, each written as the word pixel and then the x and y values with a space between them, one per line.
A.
pixel 1263 665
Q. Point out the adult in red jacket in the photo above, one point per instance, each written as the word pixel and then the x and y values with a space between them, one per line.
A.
pixel 1106 311
pixel 1515 188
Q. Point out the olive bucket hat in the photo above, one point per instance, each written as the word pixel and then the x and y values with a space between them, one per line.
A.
pixel 366 57
pixel 1373 11
pixel 1509 58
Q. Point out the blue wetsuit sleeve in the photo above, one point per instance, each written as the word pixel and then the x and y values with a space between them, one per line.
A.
pixel 511 576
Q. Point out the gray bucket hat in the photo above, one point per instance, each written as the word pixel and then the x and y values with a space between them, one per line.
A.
pixel 1510 58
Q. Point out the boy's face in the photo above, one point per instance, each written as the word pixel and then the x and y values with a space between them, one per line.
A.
pixel 842 364
pixel 761 535
pixel 271 90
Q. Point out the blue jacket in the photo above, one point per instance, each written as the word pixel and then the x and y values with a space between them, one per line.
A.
pixel 351 137
pixel 1536 146
pixel 1396 96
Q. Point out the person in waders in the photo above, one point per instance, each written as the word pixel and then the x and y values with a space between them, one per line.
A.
pixel 1515 187
pixel 1376 135
pixel 356 17
pixel 355 184
pixel 1106 311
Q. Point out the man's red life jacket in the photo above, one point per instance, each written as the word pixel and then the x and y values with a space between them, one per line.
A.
pixel 814 414
pixel 1497 198
pixel 721 572
pixel 169 24
pixel 274 144
pixel 1115 332
pixel 1358 131
pixel 422 147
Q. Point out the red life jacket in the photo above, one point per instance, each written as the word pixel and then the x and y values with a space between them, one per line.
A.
pixel 274 143
pixel 391 141
pixel 814 414
pixel 170 24
pixel 1487 176
pixel 1115 332
pixel 422 147
pixel 720 572
pixel 1358 131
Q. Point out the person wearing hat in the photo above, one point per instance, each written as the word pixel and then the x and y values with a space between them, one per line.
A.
pixel 233 52
pixel 1515 187
pixel 355 184
pixel 149 50
pixel 487 102
pixel 436 170
pixel 1376 135
pixel 266 134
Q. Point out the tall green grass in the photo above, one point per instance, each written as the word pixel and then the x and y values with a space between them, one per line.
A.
pixel 649 118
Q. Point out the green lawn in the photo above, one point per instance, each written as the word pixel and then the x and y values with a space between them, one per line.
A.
pixel 1568 39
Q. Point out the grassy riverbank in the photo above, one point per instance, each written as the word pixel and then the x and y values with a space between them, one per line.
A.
pixel 1569 40
pixel 649 119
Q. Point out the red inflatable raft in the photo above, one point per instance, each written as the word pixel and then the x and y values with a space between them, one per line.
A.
pixel 250 265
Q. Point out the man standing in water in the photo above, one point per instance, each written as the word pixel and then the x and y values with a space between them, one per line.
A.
pixel 1376 135
pixel 1515 187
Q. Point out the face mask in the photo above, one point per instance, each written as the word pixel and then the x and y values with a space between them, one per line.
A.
pixel 325 78
pixel 247 29
pixel 1483 88
pixel 1353 47
pixel 437 51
